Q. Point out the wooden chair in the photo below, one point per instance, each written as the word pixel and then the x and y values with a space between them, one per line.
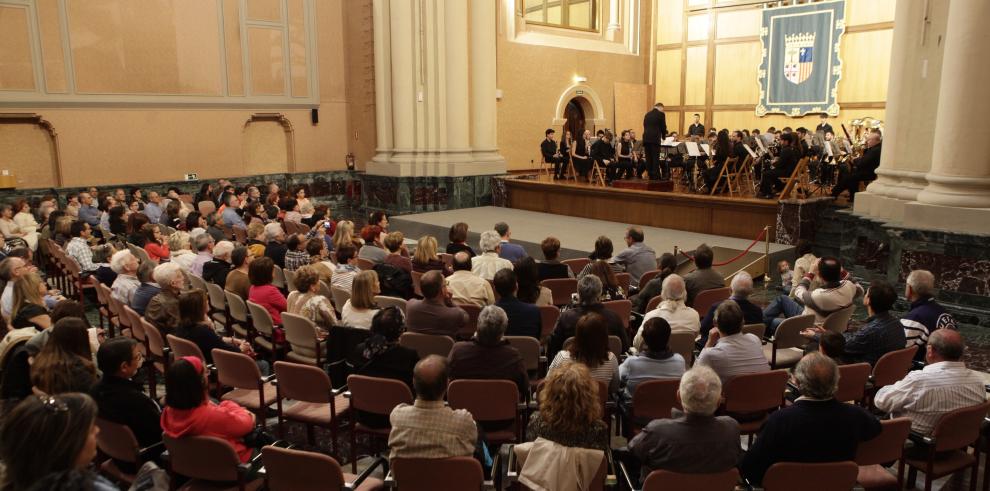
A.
pixel 249 388
pixel 545 168
pixel 664 480
pixel 783 350
pixel 377 396
pixel 945 451
pixel 704 300
pixel 622 308
pixel 240 323
pixel 427 344
pixel 888 446
pixel 852 382
pixel 829 476
pixel 624 280
pixel 364 264
pixel 653 399
pixel 383 302
pixel 288 469
pixel 304 345
pixel 726 176
pixel 682 343
pixel 576 265
pixel 207 461
pixel 791 184
pixel 548 320
pixel 753 396
pixel 597 174
pixel 653 303
pixel 433 474
pixel 468 330
pixel 489 401
pixel 647 276
pixel 118 442
pixel 744 177
pixel 562 289
pixel 315 402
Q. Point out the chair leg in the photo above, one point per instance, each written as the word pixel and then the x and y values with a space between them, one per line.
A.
pixel 912 478
pixel 354 453
pixel 152 385
pixel 975 474
pixel 986 471
pixel 900 472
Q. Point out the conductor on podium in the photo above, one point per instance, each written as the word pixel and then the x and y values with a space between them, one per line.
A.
pixel 654 131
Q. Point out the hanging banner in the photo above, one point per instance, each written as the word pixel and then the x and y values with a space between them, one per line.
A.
pixel 800 69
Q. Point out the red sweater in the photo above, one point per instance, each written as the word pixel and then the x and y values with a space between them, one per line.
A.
pixel 271 299
pixel 226 420
pixel 156 252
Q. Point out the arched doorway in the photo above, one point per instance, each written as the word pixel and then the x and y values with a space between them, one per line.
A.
pixel 578 116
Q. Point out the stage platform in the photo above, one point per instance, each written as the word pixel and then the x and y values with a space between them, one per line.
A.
pixel 577 235
pixel 679 210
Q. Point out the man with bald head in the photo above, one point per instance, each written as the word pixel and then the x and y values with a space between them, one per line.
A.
pixel 944 385
pixel 864 168
pixel 429 429
pixel 436 312
pixel 465 286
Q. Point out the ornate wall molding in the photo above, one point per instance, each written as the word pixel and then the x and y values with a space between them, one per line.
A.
pixel 290 140
pixel 40 121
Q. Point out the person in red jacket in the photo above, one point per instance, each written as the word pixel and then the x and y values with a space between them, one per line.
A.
pixel 261 274
pixel 189 412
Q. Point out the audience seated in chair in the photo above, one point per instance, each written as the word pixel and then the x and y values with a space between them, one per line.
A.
pixel 263 292
pixel 551 267
pixel 570 412
pixel 703 278
pixel 216 269
pixel 695 441
pixel 125 265
pixel 509 251
pixel 654 362
pixel 816 428
pixel 881 334
pixel 590 348
pixel 343 276
pixel 295 252
pixel 429 429
pixel 488 355
pixel 489 262
pixel 122 400
pixel 458 239
pixel 673 309
pixel 307 301
pixel 728 351
pixel 372 250
pixel 65 363
pixel 435 313
pixel 180 252
pixel 275 247
pixel 360 309
pixel 836 293
pixel 637 258
pixel 926 315
pixel 394 245
pixel 204 253
pixel 589 293
pixel 528 281
pixel 742 287
pixel 465 286
pixel 78 247
pixel 382 356
pixel 944 385
pixel 426 259
pixel 238 281
pixel 147 290
pixel 653 287
pixel 524 318
pixel 194 327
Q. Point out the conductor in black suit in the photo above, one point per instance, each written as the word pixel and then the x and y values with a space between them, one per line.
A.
pixel 552 156
pixel 654 131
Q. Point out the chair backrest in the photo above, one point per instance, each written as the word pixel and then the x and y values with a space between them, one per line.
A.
pixel 303 382
pixel 236 369
pixel 576 265
pixel 828 476
pixel 959 428
pixel 117 441
pixel 202 457
pixel 654 399
pixel 888 446
pixel 183 347
pixel 384 302
pixel 364 264
pixel 115 306
pixel 759 329
pixel 755 392
pixel 300 332
pixel 548 320
pixel 615 345
pixel 788 333
pixel 852 382
pixel 704 300
pixel 427 344
pixel 893 366
pixel 838 321
pixel 682 343
pixel 156 345
pixel 662 480
pixel 624 280
pixel 646 277
pixel 447 259
pixel 197 282
pixel 278 277
pixel 325 291
pixel 134 322
pixel 653 303
pixel 561 289
pixel 218 300
pixel 297 470
pixel 340 297
pixel 529 350
pixel 240 235
pixel 486 400
pixel 238 309
pixel 261 319
pixel 103 293
pixel 463 473
pixel 473 312
pixel 416 277
pixel 206 207
pixel 622 308
pixel 377 395
pixel 290 280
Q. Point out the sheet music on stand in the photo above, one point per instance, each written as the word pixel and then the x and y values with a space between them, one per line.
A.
pixel 759 143
pixel 828 149
pixel 707 148
pixel 669 142
pixel 692 148
pixel 749 150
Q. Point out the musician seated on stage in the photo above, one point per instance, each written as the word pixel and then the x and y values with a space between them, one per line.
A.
pixel 552 155
pixel 602 150
pixel 623 167
pixel 802 134
pixel 639 159
pixel 782 168
pixel 864 168
pixel 723 151
pixel 738 140
pixel 581 154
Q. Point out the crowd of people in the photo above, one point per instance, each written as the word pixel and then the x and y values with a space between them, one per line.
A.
pixel 59 373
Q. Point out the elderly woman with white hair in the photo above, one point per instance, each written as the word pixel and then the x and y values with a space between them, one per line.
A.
pixel 182 254
pixel 125 264
pixel 216 269
pixel 163 309
pixel 742 288
pixel 672 308
pixel 488 355
pixel 489 263
pixel 695 441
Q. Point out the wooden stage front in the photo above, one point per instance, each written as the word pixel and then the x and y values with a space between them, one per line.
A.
pixel 740 217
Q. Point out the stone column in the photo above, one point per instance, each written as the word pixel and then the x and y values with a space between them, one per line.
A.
pixel 613 19
pixel 484 113
pixel 957 197
pixel 457 103
pixel 383 79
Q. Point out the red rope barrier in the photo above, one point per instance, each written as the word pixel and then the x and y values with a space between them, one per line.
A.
pixel 741 254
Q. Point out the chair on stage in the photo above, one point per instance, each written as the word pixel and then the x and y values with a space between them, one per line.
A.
pixel 794 180
pixel 727 176
pixel 597 174
pixel 545 168
pixel 744 176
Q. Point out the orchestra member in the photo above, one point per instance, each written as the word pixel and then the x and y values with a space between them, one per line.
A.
pixel 624 165
pixel 553 156
pixel 738 140
pixel 864 168
pixel 823 126
pixel 580 154
pixel 654 131
pixel 783 168
pixel 696 128
pixel 802 134
pixel 723 150
pixel 565 150
pixel 602 150
pixel 638 158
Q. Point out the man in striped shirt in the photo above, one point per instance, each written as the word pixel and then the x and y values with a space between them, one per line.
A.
pixel 926 315
pixel 943 386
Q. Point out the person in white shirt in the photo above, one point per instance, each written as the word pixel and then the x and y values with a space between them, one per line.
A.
pixel 729 351
pixel 673 309
pixel 489 262
pixel 125 265
pixel 360 309
pixel 944 385
pixel 465 287
pixel 802 265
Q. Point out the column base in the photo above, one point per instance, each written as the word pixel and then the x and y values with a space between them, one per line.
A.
pixel 431 166
pixel 952 219
pixel 878 206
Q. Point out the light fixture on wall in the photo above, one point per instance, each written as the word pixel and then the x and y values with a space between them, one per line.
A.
pixel 579 79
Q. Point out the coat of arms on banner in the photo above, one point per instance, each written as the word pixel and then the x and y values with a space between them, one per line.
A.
pixel 798 57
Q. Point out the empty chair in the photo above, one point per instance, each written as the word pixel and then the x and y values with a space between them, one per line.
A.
pixel 460 473
pixel 183 347
pixel 759 329
pixel 561 289
pixel 888 446
pixel 488 401
pixel 207 461
pixel 704 300
pixel 304 343
pixel 250 389
pixel 385 302
pixel 838 321
pixel 315 402
pixel 297 470
pixel 753 395
pixel 340 297
pixel 653 399
pixel 784 349
pixel 548 320
pixel 892 367
pixel 852 382
pixel 682 343
pixel 117 441
pixel 427 344
pixel 622 308
pixel 576 265
pixel 829 476
pixel 377 396
pixel 238 311
pixel 664 480
pixel 945 450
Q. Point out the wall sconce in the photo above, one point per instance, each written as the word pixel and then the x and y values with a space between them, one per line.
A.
pixel 579 79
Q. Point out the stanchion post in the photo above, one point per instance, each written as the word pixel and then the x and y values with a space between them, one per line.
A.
pixel 766 256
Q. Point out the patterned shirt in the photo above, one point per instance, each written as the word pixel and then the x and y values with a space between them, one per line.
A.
pixel 295 260
pixel 431 430
pixel 926 395
pixel 487 264
pixel 78 249
pixel 343 277
pixel 124 287
pixel 737 354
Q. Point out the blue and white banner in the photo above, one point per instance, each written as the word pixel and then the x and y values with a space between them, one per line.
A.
pixel 800 69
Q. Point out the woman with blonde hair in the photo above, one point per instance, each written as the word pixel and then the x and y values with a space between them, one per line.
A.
pixel 29 308
pixel 360 308
pixel 307 301
pixel 181 251
pixel 426 259
pixel 570 412
pixel 345 235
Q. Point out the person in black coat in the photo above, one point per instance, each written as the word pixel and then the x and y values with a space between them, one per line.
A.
pixel 382 356
pixel 654 131
pixel 824 127
pixel 581 154
pixel 121 400
pixel 816 428
pixel 864 168
pixel 552 156
pixel 524 318
pixel 786 161
pixel 602 151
